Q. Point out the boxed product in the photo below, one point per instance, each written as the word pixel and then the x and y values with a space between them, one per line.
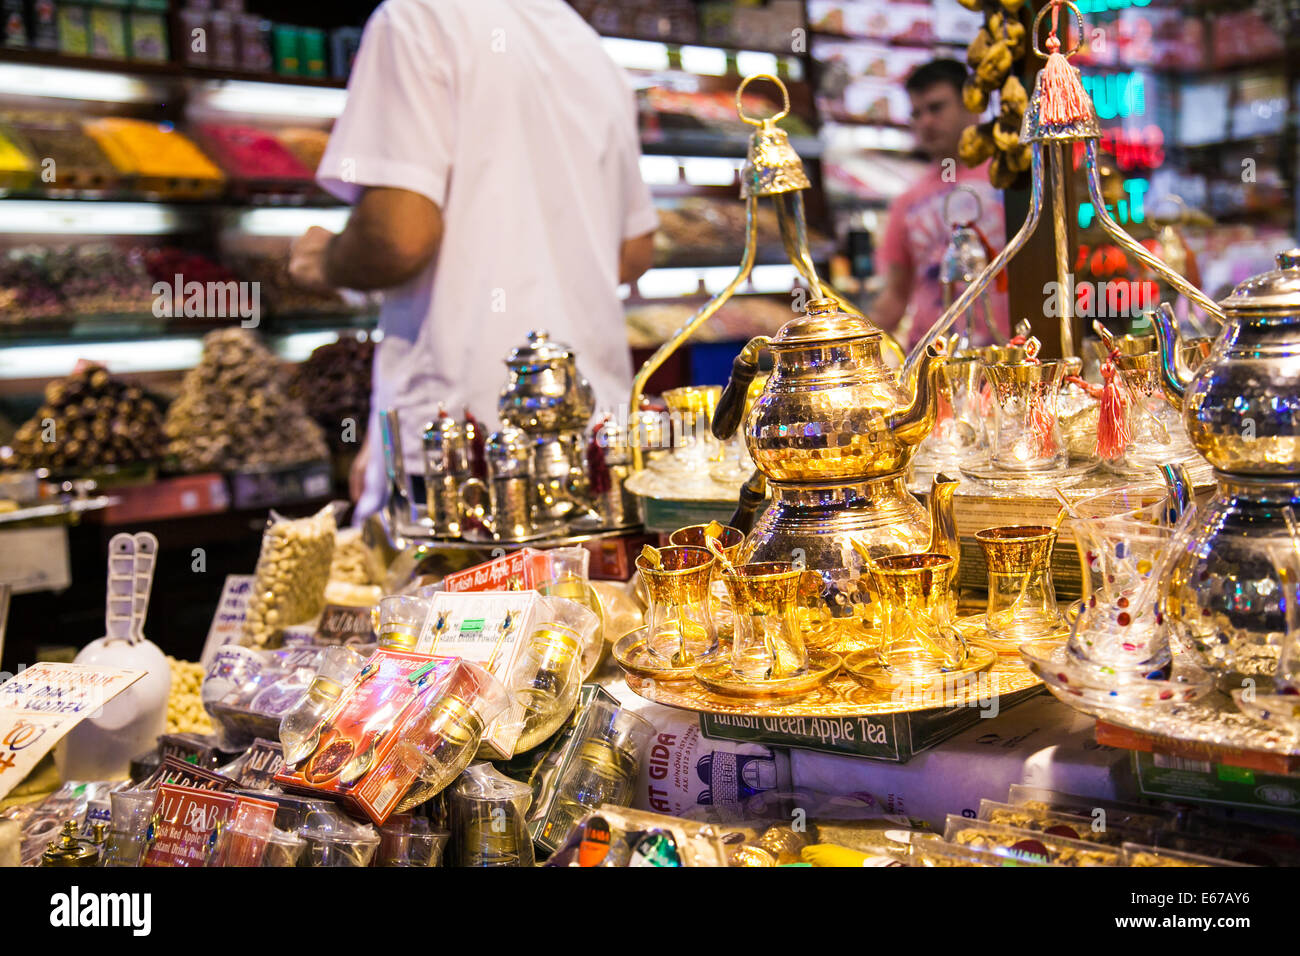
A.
pixel 186 820
pixel 521 570
pixel 533 644
pixel 73 29
pixel 147 31
pixel 350 753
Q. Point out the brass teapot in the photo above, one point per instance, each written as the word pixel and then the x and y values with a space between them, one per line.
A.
pixel 833 433
pixel 831 410
pixel 1230 582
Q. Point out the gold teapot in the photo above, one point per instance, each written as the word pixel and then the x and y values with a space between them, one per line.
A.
pixel 833 433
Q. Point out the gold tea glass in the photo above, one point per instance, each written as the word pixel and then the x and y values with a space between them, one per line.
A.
pixel 548 677
pixel 679 623
pixel 611 742
pixel 1022 598
pixel 401 617
pixel 729 540
pixel 767 643
pixel 691 409
pixel 442 739
pixel 916 614
pixel 1026 433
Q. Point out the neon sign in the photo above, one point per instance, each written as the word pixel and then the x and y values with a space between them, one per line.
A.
pixel 1127 210
pixel 1101 6
pixel 1117 94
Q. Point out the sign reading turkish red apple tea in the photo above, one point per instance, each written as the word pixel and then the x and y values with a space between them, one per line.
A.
pixel 185 819
pixel 351 761
pixel 340 624
pixel 522 570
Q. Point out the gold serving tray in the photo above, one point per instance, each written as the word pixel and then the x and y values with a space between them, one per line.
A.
pixel 842 696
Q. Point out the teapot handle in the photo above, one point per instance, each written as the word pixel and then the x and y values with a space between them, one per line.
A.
pixel 752 494
pixel 731 406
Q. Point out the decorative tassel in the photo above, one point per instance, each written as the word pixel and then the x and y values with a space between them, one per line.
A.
pixel 1088 388
pixel 1042 423
pixel 1063 99
pixel 597 470
pixel 1112 427
pixel 477 448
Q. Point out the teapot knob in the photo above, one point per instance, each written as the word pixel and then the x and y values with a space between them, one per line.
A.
pixel 1289 259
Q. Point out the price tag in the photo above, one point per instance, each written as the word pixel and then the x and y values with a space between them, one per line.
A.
pixel 39 705
pixel 228 622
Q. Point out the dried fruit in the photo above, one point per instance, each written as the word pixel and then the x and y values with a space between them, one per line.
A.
pixel 974 98
pixel 976 144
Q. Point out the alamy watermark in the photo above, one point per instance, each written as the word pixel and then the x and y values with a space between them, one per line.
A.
pixel 209 300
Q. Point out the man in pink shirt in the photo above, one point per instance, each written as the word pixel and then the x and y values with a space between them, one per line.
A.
pixel 917 234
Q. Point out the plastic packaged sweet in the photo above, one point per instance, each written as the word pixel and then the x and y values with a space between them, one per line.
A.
pixel 1116 812
pixel 247 692
pixel 1026 845
pixel 1134 854
pixel 619 837
pixel 1090 829
pixel 937 853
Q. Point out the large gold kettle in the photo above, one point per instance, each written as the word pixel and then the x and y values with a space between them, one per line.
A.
pixel 831 410
pixel 833 432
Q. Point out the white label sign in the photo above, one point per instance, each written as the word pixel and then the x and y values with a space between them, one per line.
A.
pixel 228 621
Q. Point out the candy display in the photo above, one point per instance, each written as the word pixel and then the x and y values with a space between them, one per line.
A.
pixel 185 712
pixel 333 384
pixel 159 157
pixel 306 144
pixel 91 419
pixel 70 158
pixel 234 410
pixel 247 153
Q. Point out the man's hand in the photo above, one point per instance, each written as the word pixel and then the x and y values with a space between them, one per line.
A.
pixel 307 258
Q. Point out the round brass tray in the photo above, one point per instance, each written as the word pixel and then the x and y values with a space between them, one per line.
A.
pixel 842 696
pixel 976 633
pixel 1073 473
pixel 862 667
pixel 718 677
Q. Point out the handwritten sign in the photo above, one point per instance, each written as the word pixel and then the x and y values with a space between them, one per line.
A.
pixel 228 622
pixel 39 705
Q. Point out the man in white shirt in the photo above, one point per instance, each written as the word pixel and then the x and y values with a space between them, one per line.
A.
pixel 491 154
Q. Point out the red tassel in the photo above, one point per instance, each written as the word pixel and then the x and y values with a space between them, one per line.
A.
pixel 597 469
pixel 1091 390
pixel 1112 427
pixel 1063 99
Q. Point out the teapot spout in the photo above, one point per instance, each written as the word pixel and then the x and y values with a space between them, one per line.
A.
pixel 910 425
pixel 1175 376
pixel 943 522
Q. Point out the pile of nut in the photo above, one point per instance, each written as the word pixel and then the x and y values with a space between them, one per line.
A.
pixel 90 419
pixel 234 410
pixel 354 562
pixel 185 713
pixel 292 570
pixel 999 45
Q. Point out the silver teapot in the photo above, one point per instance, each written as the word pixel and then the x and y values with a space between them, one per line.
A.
pixel 545 391
pixel 1230 580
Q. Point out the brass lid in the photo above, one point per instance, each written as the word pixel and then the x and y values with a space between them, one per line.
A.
pixel 824 323
pixel 1278 289
pixel 509 444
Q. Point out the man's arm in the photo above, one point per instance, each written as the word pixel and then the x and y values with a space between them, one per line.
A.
pixel 391 236
pixel 888 309
pixel 635 256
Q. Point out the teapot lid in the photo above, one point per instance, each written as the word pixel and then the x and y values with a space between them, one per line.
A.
pixel 824 322
pixel 509 442
pixel 1279 288
pixel 540 350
